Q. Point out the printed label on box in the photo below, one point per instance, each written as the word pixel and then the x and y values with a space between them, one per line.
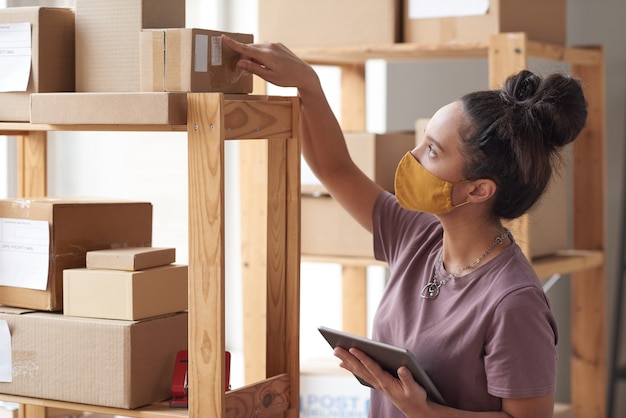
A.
pixel 15 56
pixel 424 9
pixel 24 253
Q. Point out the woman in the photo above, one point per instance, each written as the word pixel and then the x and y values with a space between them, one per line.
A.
pixel 461 294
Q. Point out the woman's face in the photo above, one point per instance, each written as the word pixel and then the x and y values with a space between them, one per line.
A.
pixel 439 152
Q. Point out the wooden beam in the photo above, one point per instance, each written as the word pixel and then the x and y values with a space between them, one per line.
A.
pixel 589 386
pixel 206 255
pixel 32 164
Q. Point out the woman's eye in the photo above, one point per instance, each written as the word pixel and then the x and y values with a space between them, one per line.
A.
pixel 431 151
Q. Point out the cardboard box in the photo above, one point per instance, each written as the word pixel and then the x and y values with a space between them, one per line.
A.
pixel 328 230
pixel 326 390
pixel 74 226
pixel 52 56
pixel 549 220
pixel 130 295
pixel 540 20
pixel 377 155
pixel 109 108
pixel 120 364
pixel 131 259
pixel 195 61
pixel 303 23
pixel 107 40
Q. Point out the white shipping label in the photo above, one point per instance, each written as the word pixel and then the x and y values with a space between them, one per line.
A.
pixel 422 9
pixel 201 64
pixel 24 253
pixel 216 50
pixel 6 360
pixel 15 56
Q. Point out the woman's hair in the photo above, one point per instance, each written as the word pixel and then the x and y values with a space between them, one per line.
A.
pixel 515 135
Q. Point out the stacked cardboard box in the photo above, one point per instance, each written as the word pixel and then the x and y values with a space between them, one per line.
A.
pixel 444 22
pixel 126 284
pixel 51 56
pixel 107 40
pixel 57 234
pixel 191 60
pixel 119 364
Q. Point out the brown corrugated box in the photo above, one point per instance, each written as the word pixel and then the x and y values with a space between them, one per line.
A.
pixel 109 108
pixel 328 230
pixel 376 154
pixel 304 23
pixel 549 219
pixel 544 21
pixel 52 62
pixel 128 295
pixel 195 61
pixel 107 40
pixel 120 364
pixel 130 259
pixel 76 226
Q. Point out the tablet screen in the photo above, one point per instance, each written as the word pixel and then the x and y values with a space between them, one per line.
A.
pixel 389 357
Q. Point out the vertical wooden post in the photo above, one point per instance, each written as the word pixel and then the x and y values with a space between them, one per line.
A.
pixel 354 278
pixel 588 287
pixel 354 300
pixel 253 198
pixel 353 97
pixel 32 164
pixel 205 127
pixel 283 260
pixel 32 181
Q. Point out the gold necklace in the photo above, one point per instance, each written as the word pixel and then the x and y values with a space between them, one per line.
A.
pixel 431 289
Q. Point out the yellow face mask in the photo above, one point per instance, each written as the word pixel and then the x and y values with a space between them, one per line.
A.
pixel 418 190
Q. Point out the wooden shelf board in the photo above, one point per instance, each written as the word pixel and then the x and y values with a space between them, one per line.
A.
pixel 346 55
pixel 566 261
pixel 246 117
pixel 157 410
pixel 271 396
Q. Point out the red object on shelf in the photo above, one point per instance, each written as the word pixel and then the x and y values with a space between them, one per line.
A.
pixel 179 381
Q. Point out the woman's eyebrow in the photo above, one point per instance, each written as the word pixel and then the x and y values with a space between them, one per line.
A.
pixel 435 142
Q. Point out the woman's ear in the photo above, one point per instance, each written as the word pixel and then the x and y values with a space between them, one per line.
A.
pixel 482 190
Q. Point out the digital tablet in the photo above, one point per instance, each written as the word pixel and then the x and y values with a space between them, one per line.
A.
pixel 389 357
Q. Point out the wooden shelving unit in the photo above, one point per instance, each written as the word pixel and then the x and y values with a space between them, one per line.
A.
pixel 213 118
pixel 506 54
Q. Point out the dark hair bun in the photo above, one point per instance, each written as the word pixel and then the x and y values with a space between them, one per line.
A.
pixel 554 105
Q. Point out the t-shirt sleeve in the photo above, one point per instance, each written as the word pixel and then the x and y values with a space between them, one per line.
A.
pixel 520 351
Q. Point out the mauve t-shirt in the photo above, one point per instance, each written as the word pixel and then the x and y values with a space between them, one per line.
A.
pixel 490 334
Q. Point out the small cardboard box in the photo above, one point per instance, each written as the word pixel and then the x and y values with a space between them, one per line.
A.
pixel 328 230
pixel 119 364
pixel 376 154
pixel 129 295
pixel 74 226
pixel 107 40
pixel 52 56
pixel 195 61
pixel 109 108
pixel 544 21
pixel 549 219
pixel 304 23
pixel 130 259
